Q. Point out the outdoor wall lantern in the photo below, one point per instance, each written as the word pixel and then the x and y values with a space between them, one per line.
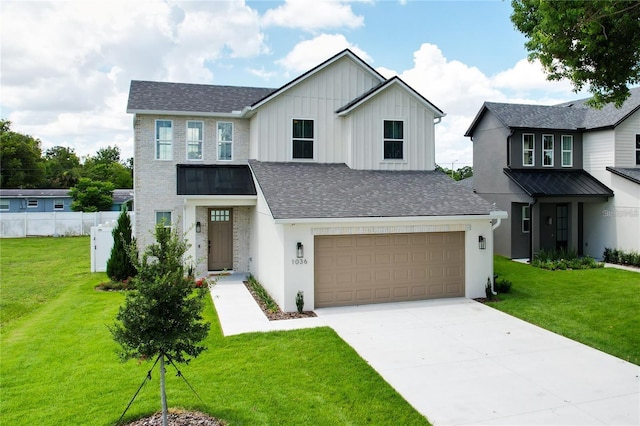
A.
pixel 482 242
pixel 198 227
pixel 299 250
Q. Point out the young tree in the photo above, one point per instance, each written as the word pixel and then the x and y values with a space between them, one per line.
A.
pixel 162 317
pixel 589 42
pixel 91 196
pixel 120 265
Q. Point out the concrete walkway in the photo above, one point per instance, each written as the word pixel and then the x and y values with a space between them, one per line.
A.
pixel 460 362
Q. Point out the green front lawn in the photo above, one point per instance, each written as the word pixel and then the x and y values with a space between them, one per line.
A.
pixel 58 362
pixel 597 307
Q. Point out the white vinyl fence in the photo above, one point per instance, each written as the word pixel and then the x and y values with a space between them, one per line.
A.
pixel 53 224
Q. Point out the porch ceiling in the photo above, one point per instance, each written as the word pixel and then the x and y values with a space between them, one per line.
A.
pixel 558 183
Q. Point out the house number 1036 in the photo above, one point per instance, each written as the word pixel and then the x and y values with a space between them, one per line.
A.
pixel 298 261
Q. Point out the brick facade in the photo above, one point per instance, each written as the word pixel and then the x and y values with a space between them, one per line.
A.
pixel 155 184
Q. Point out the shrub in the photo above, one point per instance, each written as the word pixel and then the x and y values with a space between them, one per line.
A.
pixel 562 260
pixel 120 265
pixel 621 257
pixel 262 294
pixel 502 285
pixel 300 301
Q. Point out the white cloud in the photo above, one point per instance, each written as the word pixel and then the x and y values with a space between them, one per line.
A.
pixel 64 63
pixel 309 53
pixel 312 15
pixel 460 90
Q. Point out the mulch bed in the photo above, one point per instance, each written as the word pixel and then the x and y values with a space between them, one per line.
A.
pixel 179 418
pixel 485 300
pixel 279 315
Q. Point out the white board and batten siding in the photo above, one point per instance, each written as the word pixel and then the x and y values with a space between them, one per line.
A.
pixel 366 132
pixel 626 132
pixel 317 98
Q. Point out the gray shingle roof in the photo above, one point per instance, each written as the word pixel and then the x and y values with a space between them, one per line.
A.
pixel 538 116
pixel 566 116
pixel 183 97
pixel 558 183
pixel 631 174
pixel 310 190
pixel 609 115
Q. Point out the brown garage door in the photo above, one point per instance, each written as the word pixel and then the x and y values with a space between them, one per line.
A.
pixel 362 269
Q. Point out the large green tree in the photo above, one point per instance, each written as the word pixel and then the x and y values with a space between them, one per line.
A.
pixel 162 317
pixel 107 166
pixel 21 164
pixel 62 167
pixel 91 196
pixel 589 42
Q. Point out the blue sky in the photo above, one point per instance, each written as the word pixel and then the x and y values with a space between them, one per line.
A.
pixel 66 66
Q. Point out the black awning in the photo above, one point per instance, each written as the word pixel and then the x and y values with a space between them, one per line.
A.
pixel 214 180
pixel 558 183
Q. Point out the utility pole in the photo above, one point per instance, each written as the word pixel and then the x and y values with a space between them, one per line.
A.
pixel 452 168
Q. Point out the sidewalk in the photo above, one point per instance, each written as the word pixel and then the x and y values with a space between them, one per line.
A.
pixel 239 313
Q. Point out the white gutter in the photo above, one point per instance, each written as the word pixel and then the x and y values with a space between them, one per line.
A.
pixel 460 218
pixel 234 114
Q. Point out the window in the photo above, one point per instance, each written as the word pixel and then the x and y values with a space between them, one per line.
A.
pixel 393 140
pixel 163 218
pixel 220 215
pixel 526 220
pixel 547 150
pixel 58 204
pixel 194 140
pixel 4 204
pixel 225 141
pixel 527 150
pixel 637 150
pixel 303 139
pixel 567 150
pixel 32 203
pixel 164 139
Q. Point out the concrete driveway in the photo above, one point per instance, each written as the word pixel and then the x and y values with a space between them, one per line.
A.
pixel 460 362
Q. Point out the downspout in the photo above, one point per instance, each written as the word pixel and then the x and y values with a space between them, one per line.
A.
pixel 535 200
pixel 493 228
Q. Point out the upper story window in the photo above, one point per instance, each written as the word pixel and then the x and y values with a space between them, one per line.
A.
pixel 302 139
pixel 164 219
pixel 194 140
pixel 527 149
pixel 225 141
pixel 4 204
pixel 567 150
pixel 526 220
pixel 58 204
pixel 393 145
pixel 547 150
pixel 32 203
pixel 637 150
pixel 164 139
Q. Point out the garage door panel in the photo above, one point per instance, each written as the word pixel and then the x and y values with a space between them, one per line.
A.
pixel 400 292
pixel 362 269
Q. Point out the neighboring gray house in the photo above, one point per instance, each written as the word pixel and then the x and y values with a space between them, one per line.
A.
pixel 569 175
pixel 326 185
pixel 51 200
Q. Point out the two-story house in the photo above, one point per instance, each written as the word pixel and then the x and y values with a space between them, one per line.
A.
pixel 569 175
pixel 326 185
